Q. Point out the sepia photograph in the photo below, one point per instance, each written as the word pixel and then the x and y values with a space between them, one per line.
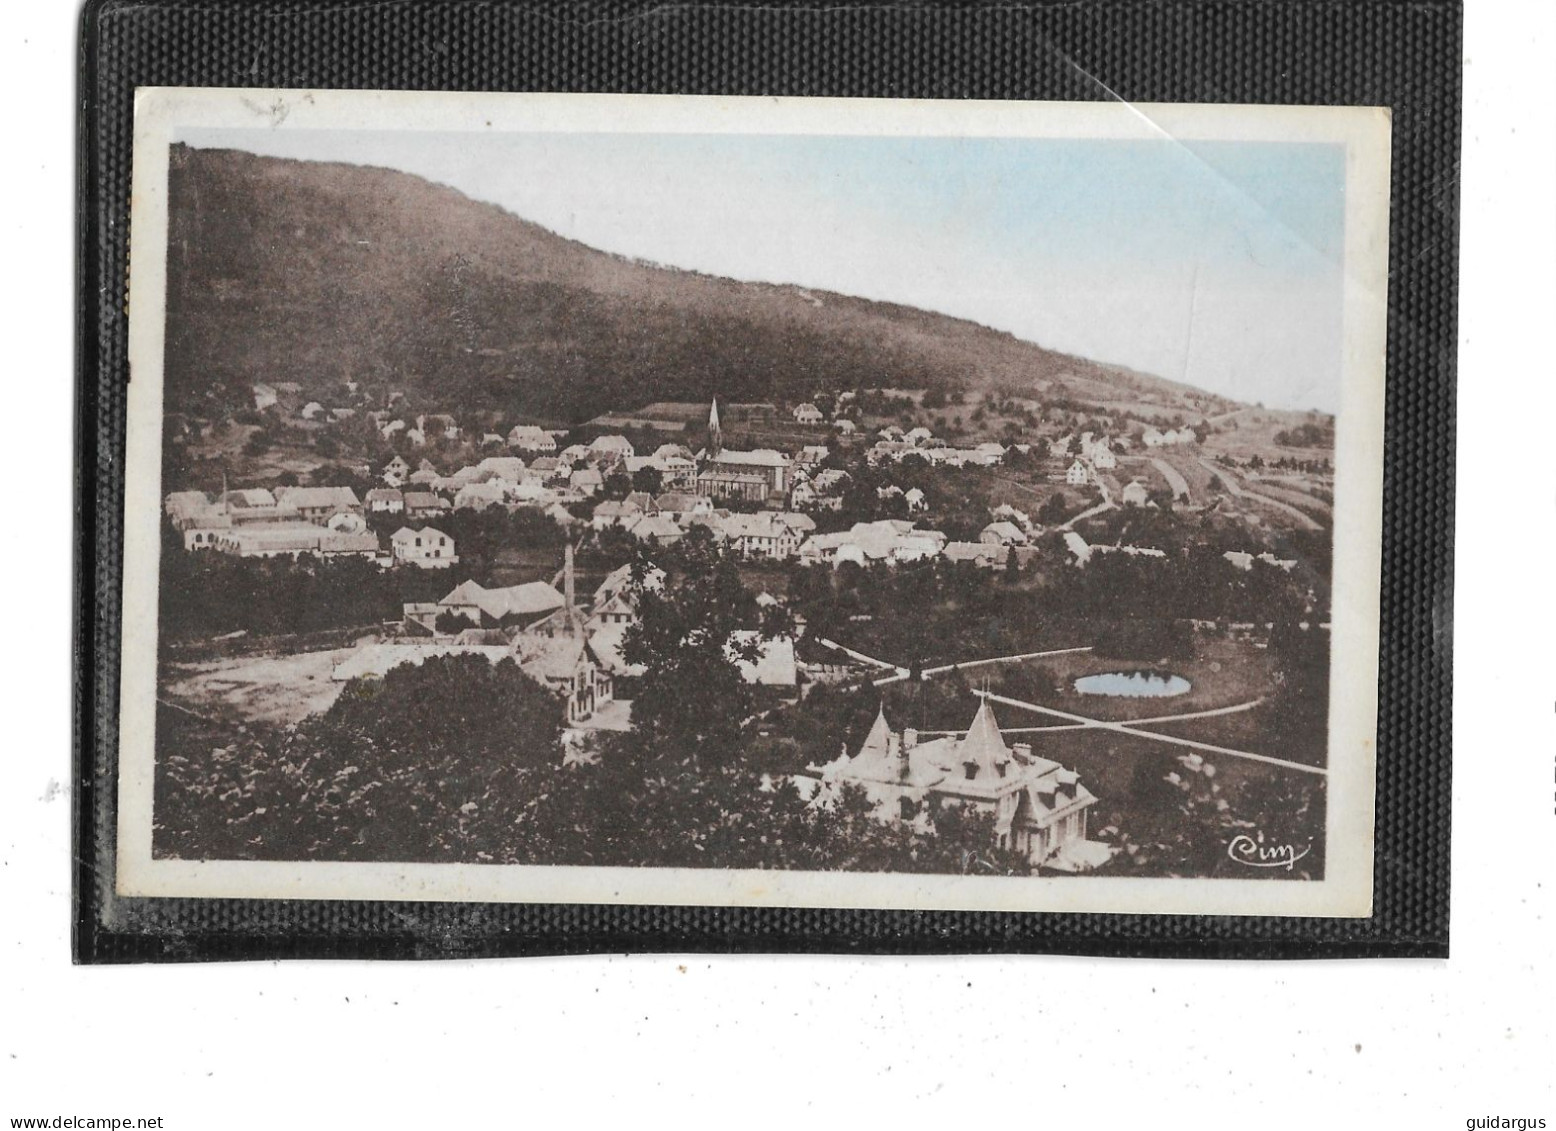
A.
pixel 785 502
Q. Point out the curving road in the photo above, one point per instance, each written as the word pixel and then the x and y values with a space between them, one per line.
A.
pixel 1237 490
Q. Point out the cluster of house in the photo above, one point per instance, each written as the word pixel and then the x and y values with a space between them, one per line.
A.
pixel 1156 438
pixel 821 488
pixel 548 482
pixel 893 445
pixel 578 472
pixel 666 519
pixel 1096 455
pixel 1082 552
pixel 1039 807
pixel 291 521
pixel 893 541
pixel 574 649
pixel 845 408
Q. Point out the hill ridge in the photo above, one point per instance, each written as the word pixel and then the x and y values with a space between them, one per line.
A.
pixel 326 272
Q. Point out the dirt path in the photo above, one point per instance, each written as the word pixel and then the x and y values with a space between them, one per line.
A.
pixel 1171 740
pixel 1175 481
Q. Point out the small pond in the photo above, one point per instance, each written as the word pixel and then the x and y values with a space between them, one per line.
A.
pixel 1133 685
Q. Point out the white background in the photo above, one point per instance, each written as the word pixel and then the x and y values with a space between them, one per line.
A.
pixel 759 1041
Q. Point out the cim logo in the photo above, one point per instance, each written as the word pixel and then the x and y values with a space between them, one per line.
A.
pixel 1245 850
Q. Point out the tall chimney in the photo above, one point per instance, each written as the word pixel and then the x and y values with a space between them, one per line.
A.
pixel 909 738
pixel 567 589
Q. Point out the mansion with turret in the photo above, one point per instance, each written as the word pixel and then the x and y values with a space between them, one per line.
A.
pixel 1040 808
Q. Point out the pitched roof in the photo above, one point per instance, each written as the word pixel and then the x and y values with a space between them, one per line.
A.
pixel 404 534
pixel 250 497
pixel 506 467
pixel 310 497
pixel 764 524
pixel 550 657
pixel 606 642
pixel 425 500
pixel 970 551
pixel 529 599
pixel 658 527
pixel 611 508
pixel 677 501
pixel 761 457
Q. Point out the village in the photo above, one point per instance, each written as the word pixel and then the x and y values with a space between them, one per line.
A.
pixel 539 545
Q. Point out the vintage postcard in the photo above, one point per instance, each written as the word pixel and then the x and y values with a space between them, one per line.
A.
pixel 787 502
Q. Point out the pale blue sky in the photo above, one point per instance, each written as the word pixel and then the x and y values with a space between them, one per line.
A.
pixel 1215 263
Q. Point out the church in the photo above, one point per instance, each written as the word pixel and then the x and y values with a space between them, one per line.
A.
pixel 1039 807
pixel 759 476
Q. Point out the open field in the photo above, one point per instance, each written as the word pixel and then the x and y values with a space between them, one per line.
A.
pixel 279 689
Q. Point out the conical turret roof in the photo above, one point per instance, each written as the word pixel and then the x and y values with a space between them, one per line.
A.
pixel 983 744
pixel 877 741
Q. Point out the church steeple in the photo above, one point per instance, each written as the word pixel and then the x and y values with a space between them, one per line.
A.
pixel 715 433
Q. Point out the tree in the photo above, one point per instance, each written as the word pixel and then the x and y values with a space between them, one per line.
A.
pixel 1012 567
pixel 451 623
pixel 692 698
pixel 618 485
pixel 383 775
pixel 1188 822
pixel 649 480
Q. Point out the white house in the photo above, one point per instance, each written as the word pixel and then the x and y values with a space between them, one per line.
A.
pixel 1102 457
pixel 395 472
pixel 807 413
pixel 1078 474
pixel 762 535
pixel 1002 534
pixel 531 438
pixel 613 447
pixel 385 500
pixel 428 548
pixel 1135 494
pixel 479 496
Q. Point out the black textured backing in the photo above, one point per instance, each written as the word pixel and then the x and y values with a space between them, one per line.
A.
pixel 1360 52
